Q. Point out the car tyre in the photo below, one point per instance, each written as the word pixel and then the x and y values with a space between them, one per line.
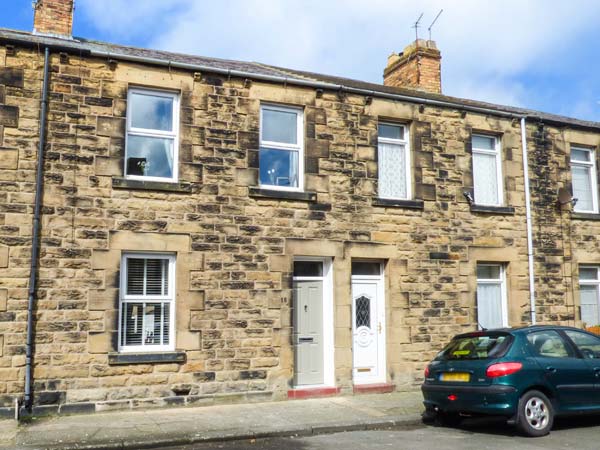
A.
pixel 535 414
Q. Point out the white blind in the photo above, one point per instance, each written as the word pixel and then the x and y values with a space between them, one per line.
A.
pixel 485 179
pixel 489 305
pixel 147 276
pixel 589 304
pixel 582 188
pixel 392 171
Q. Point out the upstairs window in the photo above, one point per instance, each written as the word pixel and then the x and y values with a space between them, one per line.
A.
pixel 393 156
pixel 152 135
pixel 487 170
pixel 583 173
pixel 146 312
pixel 491 296
pixel 281 158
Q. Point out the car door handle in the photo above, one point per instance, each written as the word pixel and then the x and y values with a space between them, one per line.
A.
pixel 550 369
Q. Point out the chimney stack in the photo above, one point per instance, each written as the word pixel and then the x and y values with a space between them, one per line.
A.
pixel 53 18
pixel 417 67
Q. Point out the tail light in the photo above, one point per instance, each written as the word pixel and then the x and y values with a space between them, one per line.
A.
pixel 426 371
pixel 503 369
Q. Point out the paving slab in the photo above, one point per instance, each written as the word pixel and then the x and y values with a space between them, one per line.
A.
pixel 180 426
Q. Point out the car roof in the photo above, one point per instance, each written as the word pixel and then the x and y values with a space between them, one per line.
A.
pixel 519 330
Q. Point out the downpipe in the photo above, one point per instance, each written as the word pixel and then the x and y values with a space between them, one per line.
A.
pixel 528 219
pixel 35 241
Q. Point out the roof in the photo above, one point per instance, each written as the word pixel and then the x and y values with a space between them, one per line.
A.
pixel 83 46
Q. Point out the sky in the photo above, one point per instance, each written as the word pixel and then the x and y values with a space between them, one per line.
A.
pixel 539 54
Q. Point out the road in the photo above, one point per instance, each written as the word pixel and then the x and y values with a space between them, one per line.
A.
pixel 572 433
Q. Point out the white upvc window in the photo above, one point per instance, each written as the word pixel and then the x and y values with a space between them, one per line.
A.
pixel 147 302
pixel 487 170
pixel 492 309
pixel 589 295
pixel 583 173
pixel 152 140
pixel 281 156
pixel 393 162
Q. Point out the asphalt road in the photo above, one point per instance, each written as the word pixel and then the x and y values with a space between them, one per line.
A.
pixel 572 433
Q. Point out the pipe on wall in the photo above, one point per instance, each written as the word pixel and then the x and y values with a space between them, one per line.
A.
pixel 35 240
pixel 528 220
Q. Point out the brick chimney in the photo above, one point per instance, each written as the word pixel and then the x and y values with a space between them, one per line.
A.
pixel 53 17
pixel 417 67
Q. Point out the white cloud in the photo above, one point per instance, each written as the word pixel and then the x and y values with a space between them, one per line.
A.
pixel 486 46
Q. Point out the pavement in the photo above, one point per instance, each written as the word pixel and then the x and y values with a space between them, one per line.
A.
pixel 155 428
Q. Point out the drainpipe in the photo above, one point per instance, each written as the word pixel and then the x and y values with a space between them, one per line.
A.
pixel 35 241
pixel 528 218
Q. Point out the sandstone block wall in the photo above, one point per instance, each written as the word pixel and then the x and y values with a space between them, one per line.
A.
pixel 235 245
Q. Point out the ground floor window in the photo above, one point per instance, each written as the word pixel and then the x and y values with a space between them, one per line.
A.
pixel 147 300
pixel 491 296
pixel 589 295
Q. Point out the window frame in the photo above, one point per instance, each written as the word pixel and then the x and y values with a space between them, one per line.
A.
pixel 595 283
pixel 142 299
pixel 591 167
pixel 497 152
pixel 407 159
pixel 501 280
pixel 146 132
pixel 298 147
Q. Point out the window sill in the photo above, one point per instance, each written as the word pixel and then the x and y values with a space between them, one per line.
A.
pixel 115 359
pixel 258 192
pixel 585 216
pixel 500 210
pixel 409 204
pixel 125 183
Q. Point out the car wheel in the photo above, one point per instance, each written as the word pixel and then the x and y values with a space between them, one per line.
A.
pixel 535 414
pixel 451 420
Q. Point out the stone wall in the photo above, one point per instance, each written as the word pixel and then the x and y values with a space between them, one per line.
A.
pixel 234 243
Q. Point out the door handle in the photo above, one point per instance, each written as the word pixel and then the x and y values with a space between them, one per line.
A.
pixel 550 369
pixel 379 328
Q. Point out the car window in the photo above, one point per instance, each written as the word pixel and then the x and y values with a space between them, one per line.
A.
pixel 548 344
pixel 476 347
pixel 588 345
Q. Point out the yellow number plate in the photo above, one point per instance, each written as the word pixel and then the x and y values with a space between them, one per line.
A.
pixel 458 376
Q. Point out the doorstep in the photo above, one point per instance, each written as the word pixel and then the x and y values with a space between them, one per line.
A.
pixel 312 392
pixel 377 388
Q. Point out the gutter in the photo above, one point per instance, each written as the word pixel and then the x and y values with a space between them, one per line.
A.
pixel 528 219
pixel 35 240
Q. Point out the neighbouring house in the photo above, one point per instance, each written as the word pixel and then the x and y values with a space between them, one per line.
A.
pixel 207 230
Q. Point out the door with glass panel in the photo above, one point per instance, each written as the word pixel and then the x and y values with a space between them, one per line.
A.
pixel 491 296
pixel 589 295
pixel 368 322
pixel 308 323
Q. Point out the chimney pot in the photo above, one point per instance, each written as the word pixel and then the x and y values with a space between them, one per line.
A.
pixel 53 18
pixel 417 67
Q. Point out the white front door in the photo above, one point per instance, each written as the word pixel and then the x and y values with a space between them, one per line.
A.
pixel 368 323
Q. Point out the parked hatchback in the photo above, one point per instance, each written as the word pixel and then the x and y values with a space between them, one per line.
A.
pixel 528 375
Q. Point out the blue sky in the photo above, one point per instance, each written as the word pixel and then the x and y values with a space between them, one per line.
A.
pixel 540 54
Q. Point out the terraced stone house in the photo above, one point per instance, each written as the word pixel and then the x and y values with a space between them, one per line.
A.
pixel 177 229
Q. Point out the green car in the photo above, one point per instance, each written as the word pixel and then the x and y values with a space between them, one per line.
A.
pixel 528 375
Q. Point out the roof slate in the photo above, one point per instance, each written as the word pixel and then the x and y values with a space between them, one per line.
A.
pixel 116 51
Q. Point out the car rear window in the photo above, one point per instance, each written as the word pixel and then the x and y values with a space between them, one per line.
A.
pixel 484 346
